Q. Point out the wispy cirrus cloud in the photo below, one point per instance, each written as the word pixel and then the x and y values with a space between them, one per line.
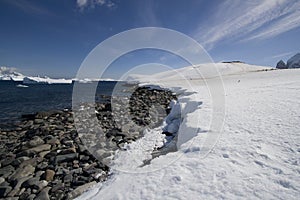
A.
pixel 281 55
pixel 93 3
pixel 29 7
pixel 248 20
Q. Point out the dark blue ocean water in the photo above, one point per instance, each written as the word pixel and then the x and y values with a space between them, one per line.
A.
pixel 15 101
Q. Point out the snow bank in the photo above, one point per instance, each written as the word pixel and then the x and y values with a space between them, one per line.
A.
pixel 257 155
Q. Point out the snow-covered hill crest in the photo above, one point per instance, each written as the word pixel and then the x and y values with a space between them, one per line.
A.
pixel 256 157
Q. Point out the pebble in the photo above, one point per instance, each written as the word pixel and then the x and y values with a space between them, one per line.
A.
pixel 49 175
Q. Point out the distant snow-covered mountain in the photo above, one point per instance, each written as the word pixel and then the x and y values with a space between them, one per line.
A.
pixel 10 74
pixel 45 80
pixel 293 62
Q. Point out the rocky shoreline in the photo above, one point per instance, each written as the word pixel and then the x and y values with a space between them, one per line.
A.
pixel 44 156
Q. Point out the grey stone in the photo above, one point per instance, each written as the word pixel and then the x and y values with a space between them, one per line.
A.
pixel 31 197
pixel 4 190
pixel 22 172
pixel 40 185
pixel 32 151
pixel 6 171
pixel 38 121
pixel 2 180
pixel 43 195
pixel 79 190
pixel 68 178
pixel 31 182
pixel 35 141
pixel 19 160
pixel 17 187
pixel 49 175
pixel 66 157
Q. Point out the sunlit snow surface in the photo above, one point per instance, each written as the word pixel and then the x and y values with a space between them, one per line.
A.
pixel 257 155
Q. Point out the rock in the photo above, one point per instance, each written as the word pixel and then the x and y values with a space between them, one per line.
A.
pixel 31 182
pixel 17 187
pixel 22 172
pixel 66 158
pixel 4 190
pixel 58 186
pixel 7 161
pixel 40 185
pixel 33 162
pixel 6 171
pixel 68 151
pixel 12 198
pixel 79 190
pixel 281 65
pixel 35 141
pixel 20 160
pixel 31 197
pixel 2 180
pixel 42 166
pixel 32 151
pixel 38 121
pixel 68 178
pixel 49 174
pixel 43 153
pixel 43 195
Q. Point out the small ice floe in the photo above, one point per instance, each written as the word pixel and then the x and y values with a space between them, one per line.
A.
pixel 22 86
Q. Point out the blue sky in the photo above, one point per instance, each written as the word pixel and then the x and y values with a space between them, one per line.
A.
pixel 52 37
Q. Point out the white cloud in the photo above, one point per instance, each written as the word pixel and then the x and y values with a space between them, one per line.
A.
pixel 247 20
pixel 92 3
pixel 81 3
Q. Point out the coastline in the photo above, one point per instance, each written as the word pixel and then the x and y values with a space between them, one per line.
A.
pixel 43 156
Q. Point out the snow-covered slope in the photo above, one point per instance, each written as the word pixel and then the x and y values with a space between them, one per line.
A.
pixel 256 157
pixel 8 74
pixel 201 71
